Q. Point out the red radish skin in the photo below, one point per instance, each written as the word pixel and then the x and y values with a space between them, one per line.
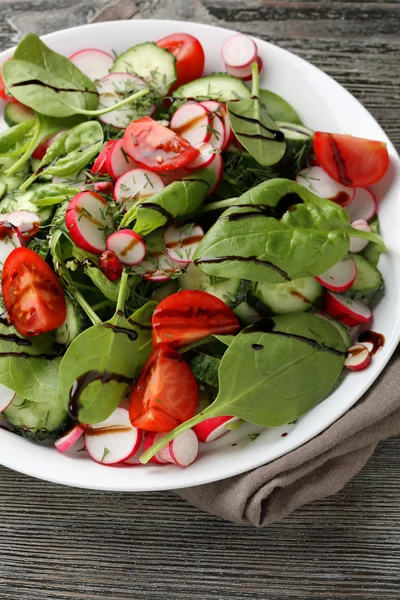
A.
pixel 217 166
pixel 244 73
pixel 357 244
pixel 100 164
pixel 363 206
pixel 6 397
pixel 157 266
pixel 213 428
pixel 317 181
pixel 136 185
pixel 358 358
pixel 10 238
pixel 28 223
pixel 87 219
pixel 114 440
pixel 176 175
pixel 64 443
pixel 128 246
pixel 192 121
pixel 220 109
pixel 134 460
pixel 205 158
pixel 239 51
pixel 151 438
pixel 217 139
pixel 110 265
pixel 94 63
pixel 108 89
pixel 348 311
pixel 103 187
pixel 340 277
pixel 182 241
pixel 182 451
pixel 118 162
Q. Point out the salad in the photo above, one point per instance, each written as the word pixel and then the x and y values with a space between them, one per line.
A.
pixel 179 252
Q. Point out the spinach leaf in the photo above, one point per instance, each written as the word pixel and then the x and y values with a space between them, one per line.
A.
pixel 15 140
pixel 51 84
pixel 176 200
pixel 100 365
pixel 53 193
pixel 90 262
pixel 205 368
pixel 255 129
pixel 141 320
pixel 277 108
pixel 275 232
pixel 71 151
pixel 29 366
pixel 273 372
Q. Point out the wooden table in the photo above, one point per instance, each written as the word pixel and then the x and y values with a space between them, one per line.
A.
pixel 60 543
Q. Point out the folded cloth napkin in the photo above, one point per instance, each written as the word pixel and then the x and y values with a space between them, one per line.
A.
pixel 317 469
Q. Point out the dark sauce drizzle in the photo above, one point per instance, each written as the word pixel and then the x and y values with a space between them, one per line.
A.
pixel 153 206
pixel 138 325
pixel 257 347
pixel 277 135
pixel 86 379
pixel 131 333
pixel 253 259
pixel 376 339
pixel 51 87
pixel 285 203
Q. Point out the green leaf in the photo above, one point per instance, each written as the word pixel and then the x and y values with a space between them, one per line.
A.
pixel 100 365
pixel 15 140
pixel 275 232
pixel 46 81
pixel 177 199
pixel 141 320
pixel 71 151
pixel 89 262
pixel 277 108
pixel 255 129
pixel 298 359
pixel 53 193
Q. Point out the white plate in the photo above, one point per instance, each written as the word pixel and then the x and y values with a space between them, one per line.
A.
pixel 322 104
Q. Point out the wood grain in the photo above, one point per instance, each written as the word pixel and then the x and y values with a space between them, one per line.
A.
pixel 60 543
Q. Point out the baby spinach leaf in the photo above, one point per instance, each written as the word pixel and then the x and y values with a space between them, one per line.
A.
pixel 71 151
pixel 29 366
pixel 89 262
pixel 277 108
pixel 276 231
pixel 255 129
pixel 273 372
pixel 15 140
pixel 53 193
pixel 141 320
pixel 100 365
pixel 205 368
pixel 177 199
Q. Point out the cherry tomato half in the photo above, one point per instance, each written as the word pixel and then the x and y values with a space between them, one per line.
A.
pixel 189 56
pixel 156 147
pixel 353 161
pixel 166 394
pixel 3 90
pixel 32 294
pixel 190 315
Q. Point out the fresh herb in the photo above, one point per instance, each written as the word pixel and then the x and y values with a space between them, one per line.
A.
pixel 105 454
pixel 253 436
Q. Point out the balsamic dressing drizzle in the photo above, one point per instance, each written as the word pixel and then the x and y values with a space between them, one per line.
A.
pixel 131 333
pixel 285 203
pixel 277 135
pixel 376 339
pixel 153 206
pixel 51 87
pixel 253 259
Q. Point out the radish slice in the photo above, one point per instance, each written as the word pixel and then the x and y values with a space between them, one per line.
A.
pixel 317 181
pixel 220 109
pixel 217 165
pixel 134 460
pixel 340 277
pixel 157 266
pixel 100 164
pixel 88 220
pixel 182 241
pixel 213 428
pixel 128 245
pixel 135 185
pixel 348 311
pixel 239 51
pixel 95 64
pixel 172 176
pixel 151 438
pixel 358 358
pixel 357 244
pixel 28 223
pixel 363 206
pixel 77 180
pixel 70 438
pixel 205 158
pixel 6 397
pixel 10 238
pixel 244 73
pixel 103 187
pixel 114 440
pixel 217 139
pixel 192 121
pixel 118 162
pixel 182 451
pixel 115 87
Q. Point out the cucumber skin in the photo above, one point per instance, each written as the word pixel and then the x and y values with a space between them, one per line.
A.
pixel 184 91
pixel 261 305
pixel 361 289
pixel 12 108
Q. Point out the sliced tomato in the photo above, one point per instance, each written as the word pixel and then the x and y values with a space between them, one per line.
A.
pixel 353 161
pixel 32 294
pixel 166 394
pixel 3 90
pixel 189 56
pixel 156 147
pixel 189 316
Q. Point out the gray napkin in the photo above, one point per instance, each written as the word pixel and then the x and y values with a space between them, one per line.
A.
pixel 318 469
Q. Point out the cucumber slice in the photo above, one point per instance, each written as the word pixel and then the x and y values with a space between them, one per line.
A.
pixel 298 295
pixel 37 421
pixel 205 368
pixel 371 252
pixel 75 322
pixel 14 114
pixel 230 291
pixel 218 86
pixel 277 108
pixel 369 279
pixel 246 314
pixel 295 133
pixel 153 64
